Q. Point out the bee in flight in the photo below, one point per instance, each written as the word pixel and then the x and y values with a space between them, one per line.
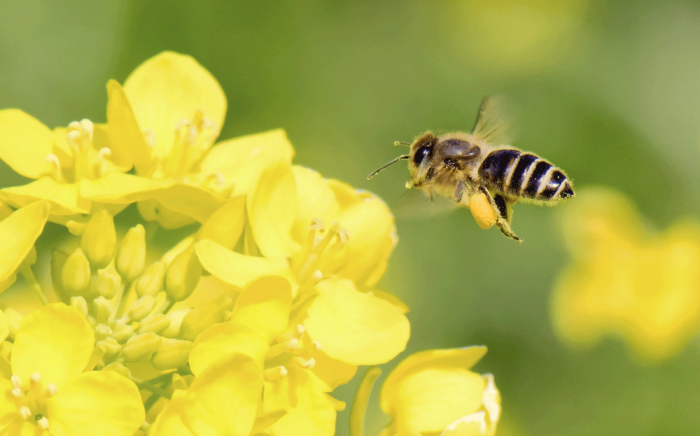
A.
pixel 479 171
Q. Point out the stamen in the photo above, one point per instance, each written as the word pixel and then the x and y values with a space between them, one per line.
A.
pixel 104 151
pixel 88 127
pixel 74 125
pixel 25 412
pixel 220 179
pixel 306 364
pixel 317 345
pixel 182 123
pixel 52 160
pixel 300 329
pixel 35 378
pixel 43 423
pixel 73 135
pixel 51 390
pixel 16 382
pixel 272 374
pixel 318 274
pixel 16 392
pixel 293 344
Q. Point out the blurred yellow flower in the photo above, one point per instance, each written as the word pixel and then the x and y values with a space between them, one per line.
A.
pixel 626 281
pixel 166 119
pixel 52 388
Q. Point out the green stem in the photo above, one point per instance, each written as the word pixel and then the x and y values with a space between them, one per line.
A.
pixel 34 285
pixel 147 386
pixel 359 405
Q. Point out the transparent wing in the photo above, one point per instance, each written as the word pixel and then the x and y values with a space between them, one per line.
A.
pixel 493 121
pixel 413 204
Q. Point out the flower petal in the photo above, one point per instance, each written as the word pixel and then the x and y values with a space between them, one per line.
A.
pixel 264 306
pixel 372 237
pixel 122 188
pixel 217 343
pixel 226 224
pixel 127 142
pixel 25 143
pixel 64 197
pixel 18 232
pixel 54 340
pixel 96 402
pixel 241 160
pixel 169 421
pixel 355 327
pixel 235 268
pixel 432 398
pixel 272 206
pixel 168 88
pixel 193 201
pixel 332 372
pixel 315 199
pixel 310 411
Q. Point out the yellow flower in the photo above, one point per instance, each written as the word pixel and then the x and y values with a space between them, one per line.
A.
pixel 222 400
pixel 52 387
pixel 58 160
pixel 260 329
pixel 18 232
pixel 167 117
pixel 330 268
pixel 434 392
pixel 626 281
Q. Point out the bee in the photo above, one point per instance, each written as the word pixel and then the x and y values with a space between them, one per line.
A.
pixel 477 170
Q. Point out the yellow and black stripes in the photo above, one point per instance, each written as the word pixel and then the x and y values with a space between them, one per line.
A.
pixel 520 174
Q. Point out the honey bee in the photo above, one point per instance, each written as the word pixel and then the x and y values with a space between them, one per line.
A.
pixel 478 171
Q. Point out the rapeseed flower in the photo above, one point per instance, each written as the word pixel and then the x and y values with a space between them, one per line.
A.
pixel 167 117
pixel 143 341
pixel 51 387
pixel 434 392
pixel 625 280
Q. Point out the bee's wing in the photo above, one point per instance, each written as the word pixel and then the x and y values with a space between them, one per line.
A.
pixel 493 121
pixel 413 204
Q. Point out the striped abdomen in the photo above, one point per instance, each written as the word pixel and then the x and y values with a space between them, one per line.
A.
pixel 520 174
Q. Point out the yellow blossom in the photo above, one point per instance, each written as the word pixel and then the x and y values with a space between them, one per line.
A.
pixel 330 267
pixel 434 391
pixel 168 116
pixel 625 280
pixel 58 161
pixel 52 386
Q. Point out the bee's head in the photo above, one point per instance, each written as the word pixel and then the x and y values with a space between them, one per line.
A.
pixel 421 158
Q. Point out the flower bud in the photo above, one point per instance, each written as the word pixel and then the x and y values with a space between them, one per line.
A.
pixel 101 308
pixel 131 254
pixel 141 346
pixel 151 281
pixel 58 259
pixel 142 307
pixel 154 323
pixel 99 239
pixel 108 283
pixel 119 368
pixel 171 354
pixel 75 275
pixel 183 275
pixel 121 332
pixel 80 304
pixel 6 350
pixel 175 317
pixel 204 316
pixel 110 346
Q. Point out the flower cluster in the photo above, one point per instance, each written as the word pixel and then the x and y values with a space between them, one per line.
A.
pixel 626 281
pixel 242 327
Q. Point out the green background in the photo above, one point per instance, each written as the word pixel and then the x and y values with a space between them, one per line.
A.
pixel 609 91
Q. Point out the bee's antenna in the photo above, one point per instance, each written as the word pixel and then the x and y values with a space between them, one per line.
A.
pixel 405 156
pixel 402 143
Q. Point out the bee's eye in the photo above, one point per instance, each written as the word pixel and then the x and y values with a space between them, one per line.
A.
pixel 422 153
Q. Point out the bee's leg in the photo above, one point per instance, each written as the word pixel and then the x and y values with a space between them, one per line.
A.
pixel 501 207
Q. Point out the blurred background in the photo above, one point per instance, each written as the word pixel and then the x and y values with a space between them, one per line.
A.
pixel 608 91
